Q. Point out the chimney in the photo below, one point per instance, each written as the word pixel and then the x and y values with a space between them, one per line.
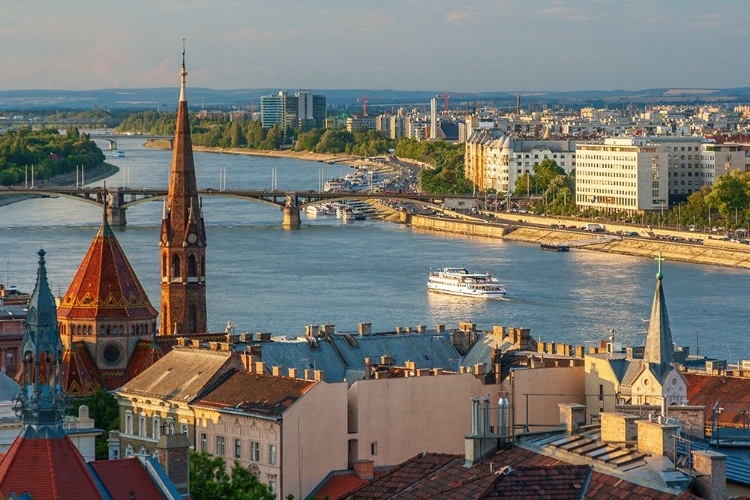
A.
pixel 386 360
pixel 421 328
pixel 260 367
pixel 618 427
pixel 711 470
pixel 398 329
pixel 410 365
pixel 318 375
pixel 276 371
pixel 181 342
pixel 246 337
pixel 196 343
pixel 173 450
pixel 480 369
pixel 365 328
pixel 329 330
pixel 439 328
pixel 307 374
pixel 264 336
pixel 248 362
pixel 292 372
pixel 311 331
pixel 656 438
pixel 364 469
pixel 465 326
pixel 572 416
pixel 479 442
pixel 368 369
pixel 498 332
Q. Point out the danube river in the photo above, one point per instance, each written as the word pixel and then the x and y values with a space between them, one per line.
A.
pixel 263 278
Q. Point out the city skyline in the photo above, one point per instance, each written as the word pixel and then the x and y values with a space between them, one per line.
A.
pixel 479 46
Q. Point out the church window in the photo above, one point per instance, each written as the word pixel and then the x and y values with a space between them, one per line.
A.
pixel 9 360
pixel 164 265
pixel 156 428
pixel 192 266
pixel 192 318
pixel 175 266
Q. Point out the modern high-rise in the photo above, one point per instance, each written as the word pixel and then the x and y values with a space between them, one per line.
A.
pixel 302 110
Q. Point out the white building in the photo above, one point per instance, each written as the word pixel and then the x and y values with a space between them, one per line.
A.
pixel 622 174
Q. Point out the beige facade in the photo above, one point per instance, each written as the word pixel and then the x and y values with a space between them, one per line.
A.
pixel 291 453
pixel 535 394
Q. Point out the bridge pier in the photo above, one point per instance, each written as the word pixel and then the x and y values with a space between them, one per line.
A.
pixel 291 214
pixel 116 216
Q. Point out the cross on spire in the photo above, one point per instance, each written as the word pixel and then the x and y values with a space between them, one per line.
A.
pixel 659 259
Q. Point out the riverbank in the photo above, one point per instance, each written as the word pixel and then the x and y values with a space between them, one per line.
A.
pixel 101 171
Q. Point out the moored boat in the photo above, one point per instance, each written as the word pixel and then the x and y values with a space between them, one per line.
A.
pixel 554 247
pixel 459 281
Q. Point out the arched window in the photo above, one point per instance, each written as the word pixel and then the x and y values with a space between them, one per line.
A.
pixel 156 428
pixel 164 266
pixel 192 266
pixel 128 424
pixel 175 266
pixel 142 426
pixel 184 429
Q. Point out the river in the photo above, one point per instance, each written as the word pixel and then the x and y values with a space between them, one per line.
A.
pixel 263 278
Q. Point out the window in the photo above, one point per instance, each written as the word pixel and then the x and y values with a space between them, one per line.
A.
pixel 204 442
pixel 272 454
pixel 254 451
pixel 237 448
pixel 128 423
pixel 184 429
pixel 220 445
pixel 374 448
pixel 142 426
pixel 156 428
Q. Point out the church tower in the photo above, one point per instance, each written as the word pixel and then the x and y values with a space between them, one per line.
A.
pixel 183 237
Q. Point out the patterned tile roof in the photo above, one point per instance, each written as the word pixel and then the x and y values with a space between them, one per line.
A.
pixel 126 479
pixel 105 285
pixel 46 468
pixel 255 394
pixel 80 375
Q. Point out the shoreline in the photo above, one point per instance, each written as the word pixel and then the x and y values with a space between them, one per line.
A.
pixel 102 171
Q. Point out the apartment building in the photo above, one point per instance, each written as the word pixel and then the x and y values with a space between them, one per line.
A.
pixel 622 174
pixel 302 110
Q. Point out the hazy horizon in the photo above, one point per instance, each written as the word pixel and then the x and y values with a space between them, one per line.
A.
pixel 475 46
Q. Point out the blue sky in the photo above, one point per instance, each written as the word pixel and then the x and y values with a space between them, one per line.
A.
pixel 469 46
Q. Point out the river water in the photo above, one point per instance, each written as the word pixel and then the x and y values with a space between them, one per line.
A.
pixel 263 278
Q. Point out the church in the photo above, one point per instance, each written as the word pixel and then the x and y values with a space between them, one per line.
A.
pixel 107 323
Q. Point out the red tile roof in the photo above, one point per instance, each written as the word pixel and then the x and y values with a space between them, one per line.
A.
pixel 105 285
pixel 46 468
pixel 257 394
pixel 126 479
pixel 732 394
pixel 80 375
pixel 528 475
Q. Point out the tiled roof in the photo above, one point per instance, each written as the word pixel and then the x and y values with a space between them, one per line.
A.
pixel 46 468
pixel 512 473
pixel 145 354
pixel 105 285
pixel 80 375
pixel 255 394
pixel 732 394
pixel 180 375
pixel 126 479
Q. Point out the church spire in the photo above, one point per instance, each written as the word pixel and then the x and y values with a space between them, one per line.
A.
pixel 183 74
pixel 41 400
pixel 183 236
pixel 659 347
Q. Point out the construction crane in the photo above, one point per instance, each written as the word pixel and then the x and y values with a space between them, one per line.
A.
pixel 363 100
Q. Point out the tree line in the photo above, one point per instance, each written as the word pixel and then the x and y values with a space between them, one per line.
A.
pixel 50 152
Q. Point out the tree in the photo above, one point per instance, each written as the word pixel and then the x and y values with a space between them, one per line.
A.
pixel 209 480
pixel 730 194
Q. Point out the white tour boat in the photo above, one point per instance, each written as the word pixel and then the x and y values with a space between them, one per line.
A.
pixel 459 281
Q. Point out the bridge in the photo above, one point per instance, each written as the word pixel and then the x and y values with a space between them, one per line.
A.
pixel 118 200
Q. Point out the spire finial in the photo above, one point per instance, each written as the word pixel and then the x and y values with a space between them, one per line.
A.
pixel 183 74
pixel 659 259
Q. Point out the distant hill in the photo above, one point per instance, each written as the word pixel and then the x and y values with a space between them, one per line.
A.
pixel 346 99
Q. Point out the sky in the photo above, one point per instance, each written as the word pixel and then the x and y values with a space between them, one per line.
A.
pixel 442 45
